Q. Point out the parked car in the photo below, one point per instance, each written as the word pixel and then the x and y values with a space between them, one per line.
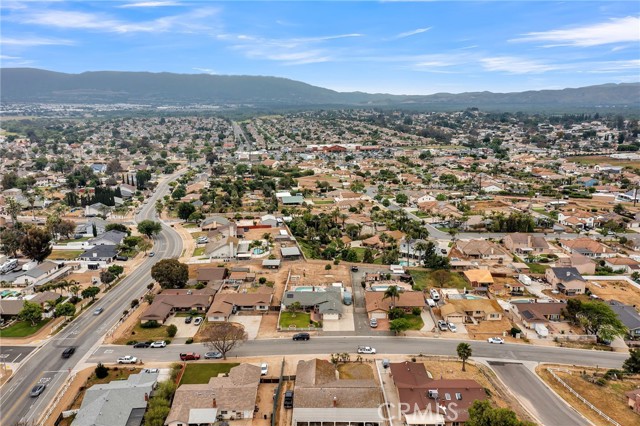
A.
pixel 158 344
pixel 37 390
pixel 128 359
pixel 452 327
pixel 151 254
pixel 373 323
pixel 366 350
pixel 122 258
pixel 142 344
pixel 188 320
pixel 498 340
pixel 354 269
pixel 301 336
pixel 197 321
pixel 264 369
pixel 212 355
pixel 442 325
pixel 68 352
pixel 189 356
pixel 431 303
pixel 98 311
pixel 288 399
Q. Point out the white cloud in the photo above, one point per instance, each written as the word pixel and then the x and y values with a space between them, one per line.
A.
pixel 514 65
pixel 616 30
pixel 612 66
pixel 411 33
pixel 206 70
pixel 34 41
pixel 150 4
pixel 7 57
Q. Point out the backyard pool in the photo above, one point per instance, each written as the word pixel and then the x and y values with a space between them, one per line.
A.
pixel 308 288
pixel 258 251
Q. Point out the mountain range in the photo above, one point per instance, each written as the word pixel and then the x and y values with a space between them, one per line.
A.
pixel 30 85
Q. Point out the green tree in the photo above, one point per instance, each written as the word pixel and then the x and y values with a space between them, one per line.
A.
pixel 13 209
pixel 116 270
pixel 117 227
pixel 170 273
pixel 149 228
pixel 367 256
pixel 107 277
pixel 481 413
pixel 293 308
pixel 101 371
pixel 392 293
pixel 91 292
pixel 632 364
pixel 185 210
pixel 10 241
pixel 172 329
pixel 30 312
pixel 36 244
pixel 441 277
pixel 399 325
pixel 402 199
pixel 599 319
pixel 65 310
pixel 224 337
pixel 464 353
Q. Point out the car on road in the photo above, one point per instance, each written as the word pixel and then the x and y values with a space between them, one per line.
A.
pixel 37 390
pixel 498 340
pixel 151 254
pixel 98 311
pixel 158 344
pixel 197 321
pixel 264 369
pixel 452 327
pixel 373 323
pixel 301 336
pixel 127 359
pixel 188 320
pixel 212 355
pixel 366 350
pixel 68 352
pixel 142 344
pixel 442 325
pixel 189 356
pixel 354 269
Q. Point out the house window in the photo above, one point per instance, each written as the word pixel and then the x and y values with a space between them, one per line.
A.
pixel 447 396
pixel 458 396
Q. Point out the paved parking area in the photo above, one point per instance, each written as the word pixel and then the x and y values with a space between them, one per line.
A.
pixel 184 330
pixel 343 324
pixel 251 323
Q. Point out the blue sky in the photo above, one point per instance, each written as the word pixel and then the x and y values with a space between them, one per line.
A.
pixel 389 46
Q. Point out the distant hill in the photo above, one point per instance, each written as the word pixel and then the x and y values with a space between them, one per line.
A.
pixel 36 85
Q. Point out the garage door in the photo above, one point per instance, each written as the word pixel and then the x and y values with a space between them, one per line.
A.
pixel 379 315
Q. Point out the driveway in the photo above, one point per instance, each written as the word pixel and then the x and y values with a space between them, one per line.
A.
pixel 345 323
pixel 427 319
pixel 251 323
pixel 184 330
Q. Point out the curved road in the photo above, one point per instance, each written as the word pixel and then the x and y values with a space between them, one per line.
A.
pixel 45 364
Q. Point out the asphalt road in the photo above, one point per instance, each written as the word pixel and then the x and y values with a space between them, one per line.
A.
pixel 383 345
pixel 536 397
pixel 14 354
pixel 46 364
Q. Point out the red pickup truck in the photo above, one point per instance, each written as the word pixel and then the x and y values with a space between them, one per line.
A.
pixel 189 356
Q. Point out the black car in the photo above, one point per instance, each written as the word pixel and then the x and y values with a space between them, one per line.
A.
pixel 288 399
pixel 188 320
pixel 301 336
pixel 122 258
pixel 68 352
pixel 37 390
pixel 142 345
pixel 354 269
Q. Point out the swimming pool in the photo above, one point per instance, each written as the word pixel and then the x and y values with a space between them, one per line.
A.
pixel 308 288
pixel 258 251
pixel 470 297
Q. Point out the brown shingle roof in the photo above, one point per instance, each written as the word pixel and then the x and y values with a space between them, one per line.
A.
pixel 408 299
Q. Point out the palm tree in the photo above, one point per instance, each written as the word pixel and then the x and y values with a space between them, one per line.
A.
pixel 393 293
pixel 464 353
pixel 74 289
pixel 421 247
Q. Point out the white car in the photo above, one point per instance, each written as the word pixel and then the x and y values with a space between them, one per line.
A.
pixel 498 340
pixel 158 344
pixel 452 327
pixel 366 350
pixel 127 359
pixel 197 321
pixel 264 369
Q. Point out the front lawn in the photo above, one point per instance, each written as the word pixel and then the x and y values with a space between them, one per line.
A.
pixel 199 251
pixel 78 240
pixel 201 373
pixel 301 319
pixel 423 280
pixel 537 268
pixel 415 321
pixel 65 254
pixel 140 334
pixel 22 329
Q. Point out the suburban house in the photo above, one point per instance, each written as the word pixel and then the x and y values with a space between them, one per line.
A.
pixel 566 280
pixel 578 219
pixel 290 253
pixel 96 209
pixel 584 264
pixel 471 310
pixel 228 303
pixel 117 403
pixel 482 249
pixel 433 402
pixel 629 316
pixel 224 398
pixel 322 398
pixel 99 256
pixel 378 306
pixel 525 243
pixel 478 277
pixel 531 314
pixel 624 264
pixel 211 276
pixel 271 263
pixel 327 304
pixel 633 400
pixel 588 247
pixel 86 229
pixel 179 300
pixel 111 238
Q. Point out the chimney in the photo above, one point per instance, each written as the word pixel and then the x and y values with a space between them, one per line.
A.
pixel 214 404
pixel 95 254
pixel 335 401
pixel 568 274
pixel 146 397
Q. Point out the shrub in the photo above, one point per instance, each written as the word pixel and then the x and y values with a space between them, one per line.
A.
pixel 189 341
pixel 101 371
pixel 200 286
pixel 601 381
pixel 336 262
pixel 172 330
pixel 327 266
pixel 395 313
pixel 270 283
pixel 614 374
pixel 262 280
pixel 416 311
pixel 514 331
pixel 132 342
pixel 150 324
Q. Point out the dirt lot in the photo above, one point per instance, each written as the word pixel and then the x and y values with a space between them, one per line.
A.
pixel 355 371
pixel 608 398
pixel 487 329
pixel 617 290
pixel 313 272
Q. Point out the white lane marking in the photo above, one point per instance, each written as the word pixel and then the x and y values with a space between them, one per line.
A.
pixel 108 351
pixel 16 358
